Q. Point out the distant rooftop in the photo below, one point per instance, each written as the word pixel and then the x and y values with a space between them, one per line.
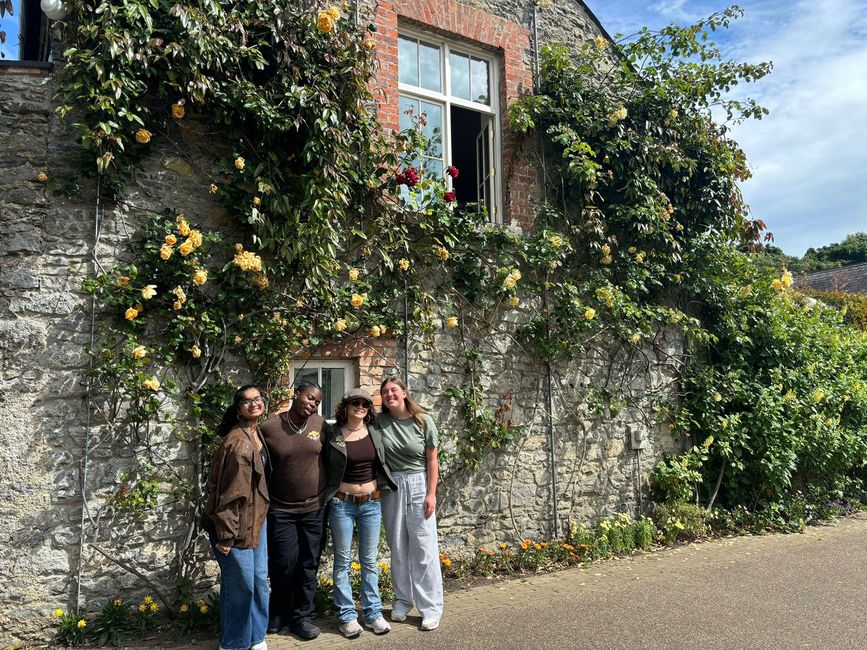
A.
pixel 851 279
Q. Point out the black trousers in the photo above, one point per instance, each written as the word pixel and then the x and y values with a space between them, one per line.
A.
pixel 295 544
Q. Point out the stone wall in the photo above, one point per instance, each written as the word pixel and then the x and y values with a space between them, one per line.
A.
pixel 47 233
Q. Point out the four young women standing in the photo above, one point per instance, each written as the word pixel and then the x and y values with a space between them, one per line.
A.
pixel 366 471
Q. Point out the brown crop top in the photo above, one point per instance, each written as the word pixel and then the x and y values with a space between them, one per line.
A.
pixel 360 461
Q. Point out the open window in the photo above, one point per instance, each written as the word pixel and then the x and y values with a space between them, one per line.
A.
pixel 455 87
pixel 24 33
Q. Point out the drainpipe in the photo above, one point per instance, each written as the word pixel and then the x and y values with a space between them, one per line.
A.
pixel 405 335
pixel 88 402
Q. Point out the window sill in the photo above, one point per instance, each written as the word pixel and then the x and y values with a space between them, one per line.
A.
pixel 36 68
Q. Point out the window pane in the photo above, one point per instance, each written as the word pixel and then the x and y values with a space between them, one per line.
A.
pixel 333 388
pixel 433 128
pixel 406 118
pixel 429 67
pixel 407 61
pixel 480 91
pixel 460 70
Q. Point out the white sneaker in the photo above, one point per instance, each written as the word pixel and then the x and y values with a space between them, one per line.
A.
pixel 351 629
pixel 379 626
pixel 260 646
pixel 429 624
pixel 399 615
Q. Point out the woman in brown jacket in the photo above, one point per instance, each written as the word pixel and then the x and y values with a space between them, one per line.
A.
pixel 234 517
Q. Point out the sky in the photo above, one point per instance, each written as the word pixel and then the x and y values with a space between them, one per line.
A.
pixel 809 155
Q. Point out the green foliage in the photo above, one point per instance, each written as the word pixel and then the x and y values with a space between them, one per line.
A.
pixel 484 430
pixel 852 250
pixel 71 629
pixel 115 624
pixel 852 306
pixel 681 522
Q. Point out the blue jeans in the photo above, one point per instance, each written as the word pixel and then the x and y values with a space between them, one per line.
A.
pixel 243 594
pixel 343 518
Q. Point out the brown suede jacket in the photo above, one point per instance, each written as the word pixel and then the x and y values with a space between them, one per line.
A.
pixel 237 493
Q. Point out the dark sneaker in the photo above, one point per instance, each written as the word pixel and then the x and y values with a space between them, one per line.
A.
pixel 275 624
pixel 305 629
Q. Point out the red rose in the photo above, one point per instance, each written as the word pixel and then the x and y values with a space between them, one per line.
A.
pixel 401 179
pixel 411 176
pixel 452 171
pixel 450 196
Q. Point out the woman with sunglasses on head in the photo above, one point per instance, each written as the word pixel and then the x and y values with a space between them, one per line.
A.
pixel 296 519
pixel 411 439
pixel 235 519
pixel 357 475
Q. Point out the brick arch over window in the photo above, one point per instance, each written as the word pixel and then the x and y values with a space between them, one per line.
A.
pixel 455 20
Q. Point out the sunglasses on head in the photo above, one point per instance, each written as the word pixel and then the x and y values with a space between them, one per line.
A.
pixel 360 402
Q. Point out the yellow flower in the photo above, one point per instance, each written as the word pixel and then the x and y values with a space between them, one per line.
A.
pixel 590 313
pixel 324 22
pixel 82 624
pixel 606 259
pixel 353 274
pixel 339 325
pixel 787 279
pixel 678 524
pixel 384 567
pixel 257 201
pixel 151 384
pixel 708 442
pixel 369 44
pixel 196 351
pixel 183 225
pixel 334 12
pixel 555 240
pixel 818 395
pixel 403 264
pixel 186 248
pixel 441 252
pixel 130 313
pixel 600 42
pixel 240 163
pixel 247 261
pixel 139 352
pixel 166 251
pixel 357 300
pixel 203 608
pixel 639 257
pixel 154 607
pixel 239 248
pixel 196 238
pixel 617 116
pixel 374 331
pixel 635 338
pixel 672 114
pixel 149 291
pixel 43 177
pixel 180 293
pixel 606 249
pixel 776 283
pixel 178 110
pixel 142 136
pixel 183 609
pixel 177 305
pixel 446 561
pixel 200 276
pixel 58 612
pixel 367 251
pixel 383 329
pixel 171 240
pixel 452 322
pixel 142 608
pixel 514 301
pixel 260 280
pixel 237 340
pixel 212 189
pixel 123 280
pixel 356 566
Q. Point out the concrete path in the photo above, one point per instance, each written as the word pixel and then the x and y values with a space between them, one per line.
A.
pixel 774 591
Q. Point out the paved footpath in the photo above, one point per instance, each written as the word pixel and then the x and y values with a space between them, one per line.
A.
pixel 775 591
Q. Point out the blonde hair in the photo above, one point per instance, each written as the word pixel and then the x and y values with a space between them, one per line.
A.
pixel 414 409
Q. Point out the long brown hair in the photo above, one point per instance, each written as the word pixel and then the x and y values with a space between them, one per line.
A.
pixel 414 409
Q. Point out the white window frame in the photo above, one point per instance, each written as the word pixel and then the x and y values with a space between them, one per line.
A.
pixel 349 366
pixel 447 100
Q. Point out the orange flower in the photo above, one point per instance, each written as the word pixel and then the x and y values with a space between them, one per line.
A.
pixel 178 110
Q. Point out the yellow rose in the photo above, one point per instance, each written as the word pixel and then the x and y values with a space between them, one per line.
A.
pixel 260 280
pixel 240 163
pixel 369 44
pixel 196 351
pixel 383 329
pixel 357 300
pixel 186 248
pixel 324 22
pixel 183 225
pixel 142 136
pixel 590 313
pixel 149 291
pixel 212 189
pixel 180 294
pixel 606 249
pixel 353 274
pixel 123 280
pixel 339 325
pixel 717 397
pixel 257 201
pixel 151 384
pixel 171 240
pixel 200 276
pixel 177 305
pixel 452 322
pixel 196 238
pixel 786 279
pixel 43 177
pixel 131 313
pixel 178 110
pixel 441 252
pixel 166 251
pixel 139 352
pixel 374 331
pixel 600 42
pixel 514 301
pixel 334 12
pixel 403 264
